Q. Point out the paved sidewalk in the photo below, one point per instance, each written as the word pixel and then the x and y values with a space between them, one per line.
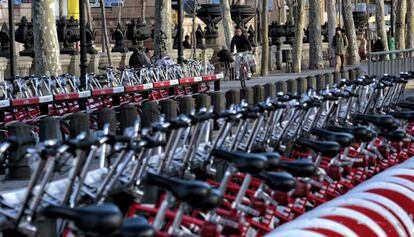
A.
pixel 275 77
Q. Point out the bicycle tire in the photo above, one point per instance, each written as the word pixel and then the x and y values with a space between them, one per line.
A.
pixel 243 75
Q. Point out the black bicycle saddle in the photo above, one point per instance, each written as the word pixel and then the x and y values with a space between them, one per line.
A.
pixel 245 162
pixel 95 220
pixel 343 139
pixel 326 148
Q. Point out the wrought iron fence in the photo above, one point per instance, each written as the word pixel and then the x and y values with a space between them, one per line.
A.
pixel 390 62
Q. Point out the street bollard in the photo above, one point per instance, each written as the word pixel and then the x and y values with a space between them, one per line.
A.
pixel 218 101
pixel 258 94
pixel 358 72
pixel 292 86
pixel 150 113
pixel 187 104
pixel 352 74
pixel 311 81
pixel 128 114
pixel 320 82
pixel 337 77
pixel 49 129
pixel 18 162
pixel 281 86
pixel 232 97
pixel 345 75
pixel 301 85
pixel 270 90
pixel 79 122
pixel 107 116
pixel 247 95
pixel 329 79
pixel 169 108
pixel 202 101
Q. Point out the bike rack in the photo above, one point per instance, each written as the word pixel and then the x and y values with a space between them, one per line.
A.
pixel 115 93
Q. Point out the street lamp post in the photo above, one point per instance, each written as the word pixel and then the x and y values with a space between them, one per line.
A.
pixel 83 45
pixel 12 38
pixel 180 31
pixel 392 19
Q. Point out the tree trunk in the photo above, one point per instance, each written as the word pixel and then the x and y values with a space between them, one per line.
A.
pixel 227 22
pixel 350 32
pixel 46 45
pixel 299 33
pixel 264 70
pixel 315 36
pixel 163 24
pixel 105 43
pixel 61 10
pixel 400 24
pixel 291 16
pixel 380 23
pixel 143 10
pixel 89 13
pixel 331 9
pixel 410 24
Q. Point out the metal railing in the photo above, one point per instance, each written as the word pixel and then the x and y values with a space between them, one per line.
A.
pixel 390 62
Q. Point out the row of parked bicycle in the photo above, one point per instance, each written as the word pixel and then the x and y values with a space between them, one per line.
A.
pixel 164 70
pixel 267 164
pixel 64 95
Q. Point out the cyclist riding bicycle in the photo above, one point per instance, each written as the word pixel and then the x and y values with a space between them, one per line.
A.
pixel 240 41
pixel 243 55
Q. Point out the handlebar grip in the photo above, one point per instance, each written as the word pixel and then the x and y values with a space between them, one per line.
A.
pixel 118 138
pixel 82 144
pixel 152 143
pixel 17 142
pixel 104 68
pixel 202 117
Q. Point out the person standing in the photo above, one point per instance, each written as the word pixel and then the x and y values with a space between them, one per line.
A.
pixel 138 59
pixel 150 54
pixel 186 43
pixel 339 44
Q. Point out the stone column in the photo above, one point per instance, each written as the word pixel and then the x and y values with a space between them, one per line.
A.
pixel 73 67
pixel 93 63
pixel 3 66
pixel 116 60
pixel 124 60
pixel 24 65
pixel 64 62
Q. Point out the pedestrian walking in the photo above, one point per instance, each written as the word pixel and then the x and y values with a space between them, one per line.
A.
pixel 224 55
pixel 363 48
pixel 225 58
pixel 379 47
pixel 339 44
